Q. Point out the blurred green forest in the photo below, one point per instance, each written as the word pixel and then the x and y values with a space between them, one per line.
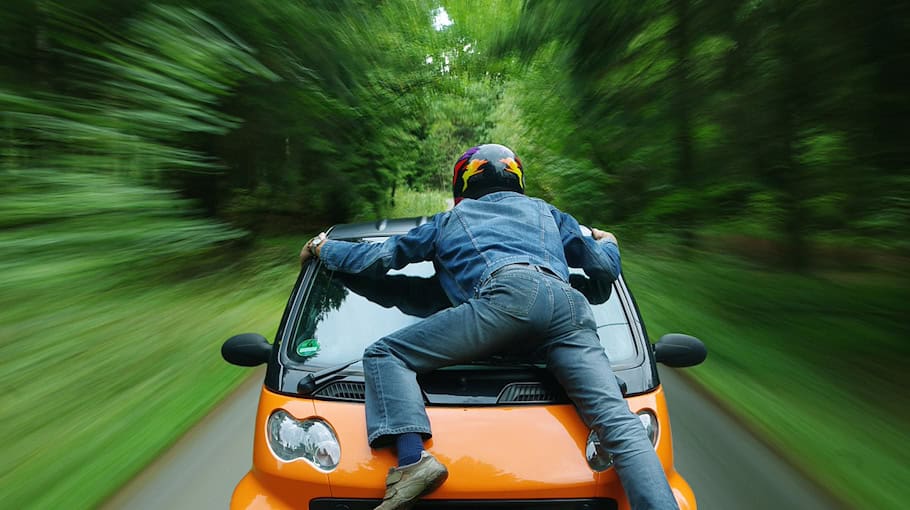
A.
pixel 151 151
pixel 777 121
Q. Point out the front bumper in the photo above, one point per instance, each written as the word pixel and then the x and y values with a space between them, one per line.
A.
pixel 472 504
pixel 252 494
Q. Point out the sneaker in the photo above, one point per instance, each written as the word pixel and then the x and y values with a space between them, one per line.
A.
pixel 405 484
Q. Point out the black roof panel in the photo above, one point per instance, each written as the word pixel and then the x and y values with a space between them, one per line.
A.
pixel 376 228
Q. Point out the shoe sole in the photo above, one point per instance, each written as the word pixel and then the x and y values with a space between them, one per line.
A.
pixel 434 484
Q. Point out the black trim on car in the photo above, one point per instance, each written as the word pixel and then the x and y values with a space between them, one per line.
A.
pixel 640 322
pixel 274 366
pixel 472 504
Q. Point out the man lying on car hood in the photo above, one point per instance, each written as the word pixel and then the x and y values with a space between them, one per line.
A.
pixel 502 260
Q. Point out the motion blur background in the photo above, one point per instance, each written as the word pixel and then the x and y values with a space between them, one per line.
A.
pixel 161 162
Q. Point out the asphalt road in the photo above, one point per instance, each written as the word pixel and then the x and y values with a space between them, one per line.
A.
pixel 201 469
pixel 726 466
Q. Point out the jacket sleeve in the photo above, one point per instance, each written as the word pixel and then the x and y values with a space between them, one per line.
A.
pixel 394 253
pixel 599 259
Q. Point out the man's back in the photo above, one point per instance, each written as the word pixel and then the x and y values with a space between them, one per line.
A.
pixel 480 236
pixel 468 243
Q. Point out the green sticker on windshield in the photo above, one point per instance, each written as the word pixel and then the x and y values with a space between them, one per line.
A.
pixel 308 348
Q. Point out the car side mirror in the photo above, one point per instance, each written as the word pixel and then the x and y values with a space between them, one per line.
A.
pixel 677 350
pixel 246 350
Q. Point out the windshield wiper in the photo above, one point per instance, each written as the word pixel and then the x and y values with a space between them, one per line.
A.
pixel 308 384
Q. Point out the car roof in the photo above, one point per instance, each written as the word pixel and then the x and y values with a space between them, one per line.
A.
pixel 380 228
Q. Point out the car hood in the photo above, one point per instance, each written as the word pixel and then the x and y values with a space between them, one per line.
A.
pixel 501 452
pixel 520 452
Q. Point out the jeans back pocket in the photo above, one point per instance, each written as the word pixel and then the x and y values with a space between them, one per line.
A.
pixel 513 292
pixel 582 315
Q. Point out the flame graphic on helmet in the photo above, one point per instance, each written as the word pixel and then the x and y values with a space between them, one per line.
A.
pixel 473 168
pixel 514 167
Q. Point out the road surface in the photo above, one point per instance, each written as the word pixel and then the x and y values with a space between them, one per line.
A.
pixel 726 466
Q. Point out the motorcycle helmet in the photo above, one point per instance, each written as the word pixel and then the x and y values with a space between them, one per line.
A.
pixel 485 169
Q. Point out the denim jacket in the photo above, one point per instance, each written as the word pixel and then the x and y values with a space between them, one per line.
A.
pixel 477 237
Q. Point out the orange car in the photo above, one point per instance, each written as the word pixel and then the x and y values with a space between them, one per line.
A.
pixel 503 427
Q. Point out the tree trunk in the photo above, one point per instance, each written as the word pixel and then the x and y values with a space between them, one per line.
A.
pixel 682 112
pixel 789 174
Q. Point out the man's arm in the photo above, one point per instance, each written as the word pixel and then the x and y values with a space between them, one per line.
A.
pixel 597 255
pixel 413 295
pixel 597 290
pixel 394 253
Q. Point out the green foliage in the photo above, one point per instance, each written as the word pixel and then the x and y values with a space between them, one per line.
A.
pixel 804 359
pixel 78 174
pixel 246 109
pixel 675 100
pixel 707 58
pixel 103 366
pixel 85 226
pixel 408 203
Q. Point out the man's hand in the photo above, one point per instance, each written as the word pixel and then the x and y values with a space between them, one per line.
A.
pixel 309 250
pixel 598 234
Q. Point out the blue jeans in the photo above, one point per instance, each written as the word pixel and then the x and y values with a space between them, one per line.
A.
pixel 516 303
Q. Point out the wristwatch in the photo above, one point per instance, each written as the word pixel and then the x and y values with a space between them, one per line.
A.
pixel 314 243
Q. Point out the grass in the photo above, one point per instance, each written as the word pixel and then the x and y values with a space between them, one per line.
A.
pixel 408 203
pixel 816 363
pixel 99 375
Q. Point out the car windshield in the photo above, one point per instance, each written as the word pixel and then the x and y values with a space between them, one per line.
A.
pixel 345 313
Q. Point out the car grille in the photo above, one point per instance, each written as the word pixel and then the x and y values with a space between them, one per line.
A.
pixel 472 504
pixel 527 393
pixel 353 391
pixel 513 393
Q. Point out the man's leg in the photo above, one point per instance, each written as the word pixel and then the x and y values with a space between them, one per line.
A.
pixel 474 330
pixel 577 359
pixel 394 401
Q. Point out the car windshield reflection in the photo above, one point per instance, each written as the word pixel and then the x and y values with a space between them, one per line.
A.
pixel 345 313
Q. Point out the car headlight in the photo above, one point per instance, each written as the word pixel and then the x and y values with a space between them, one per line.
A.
pixel 311 439
pixel 601 461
